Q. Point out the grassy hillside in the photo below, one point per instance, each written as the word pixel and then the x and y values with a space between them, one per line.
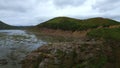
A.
pixel 105 33
pixel 66 23
pixel 4 26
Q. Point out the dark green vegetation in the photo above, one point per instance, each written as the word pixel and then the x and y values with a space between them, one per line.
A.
pixel 105 33
pixel 66 23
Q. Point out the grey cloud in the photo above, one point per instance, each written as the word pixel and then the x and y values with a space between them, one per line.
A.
pixel 13 5
pixel 18 5
pixel 107 5
pixel 111 1
pixel 17 11
pixel 64 3
pixel 108 8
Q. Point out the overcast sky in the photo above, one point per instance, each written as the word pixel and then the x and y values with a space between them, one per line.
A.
pixel 32 12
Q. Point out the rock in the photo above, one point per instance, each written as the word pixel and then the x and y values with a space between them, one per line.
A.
pixel 67 55
pixel 3 62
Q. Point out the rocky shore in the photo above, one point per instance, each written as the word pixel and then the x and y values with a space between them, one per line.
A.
pixel 88 54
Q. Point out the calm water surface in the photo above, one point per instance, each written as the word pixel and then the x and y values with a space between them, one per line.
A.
pixel 15 45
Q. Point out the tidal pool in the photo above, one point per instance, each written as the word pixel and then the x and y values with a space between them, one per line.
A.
pixel 15 45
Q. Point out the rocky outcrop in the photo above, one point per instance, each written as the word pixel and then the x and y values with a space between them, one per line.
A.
pixel 70 55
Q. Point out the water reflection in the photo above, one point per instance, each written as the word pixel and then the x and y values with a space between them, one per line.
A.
pixel 15 45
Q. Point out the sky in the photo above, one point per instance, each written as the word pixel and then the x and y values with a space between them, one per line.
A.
pixel 33 12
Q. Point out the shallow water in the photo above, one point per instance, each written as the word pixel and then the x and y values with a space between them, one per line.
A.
pixel 15 45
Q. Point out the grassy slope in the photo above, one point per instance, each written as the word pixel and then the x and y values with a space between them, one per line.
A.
pixel 65 23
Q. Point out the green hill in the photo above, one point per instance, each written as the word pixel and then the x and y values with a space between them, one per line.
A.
pixel 4 26
pixel 66 23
